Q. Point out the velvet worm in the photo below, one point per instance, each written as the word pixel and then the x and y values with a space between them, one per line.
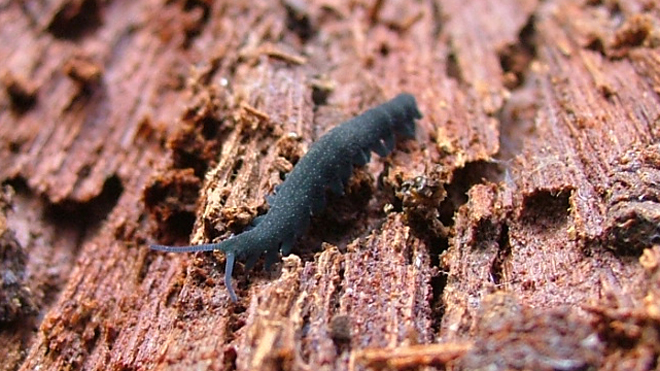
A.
pixel 327 165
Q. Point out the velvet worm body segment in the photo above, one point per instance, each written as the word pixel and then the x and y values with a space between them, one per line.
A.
pixel 327 165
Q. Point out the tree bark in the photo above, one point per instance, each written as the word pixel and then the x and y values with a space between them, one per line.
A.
pixel 518 231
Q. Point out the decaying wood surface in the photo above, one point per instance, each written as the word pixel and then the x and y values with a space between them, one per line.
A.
pixel 519 231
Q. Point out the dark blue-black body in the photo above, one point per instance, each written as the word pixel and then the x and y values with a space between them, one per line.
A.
pixel 327 165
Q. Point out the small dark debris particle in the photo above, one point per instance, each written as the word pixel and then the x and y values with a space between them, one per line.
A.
pixel 340 329
pixel 637 31
pixel 16 299
pixel 299 19
pixel 322 86
pixel 21 94
pixel 75 18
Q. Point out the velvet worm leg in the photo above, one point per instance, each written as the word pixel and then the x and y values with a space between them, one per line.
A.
pixel 229 268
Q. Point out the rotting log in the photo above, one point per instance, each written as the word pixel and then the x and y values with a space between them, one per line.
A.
pixel 518 230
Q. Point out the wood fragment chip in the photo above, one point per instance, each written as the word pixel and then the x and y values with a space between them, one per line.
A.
pixel 83 70
pixel 437 355
pixel 258 113
pixel 404 24
pixel 276 53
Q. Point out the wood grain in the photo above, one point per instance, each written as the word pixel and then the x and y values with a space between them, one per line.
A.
pixel 519 230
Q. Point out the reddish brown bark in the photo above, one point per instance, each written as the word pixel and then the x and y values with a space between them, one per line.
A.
pixel 519 230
